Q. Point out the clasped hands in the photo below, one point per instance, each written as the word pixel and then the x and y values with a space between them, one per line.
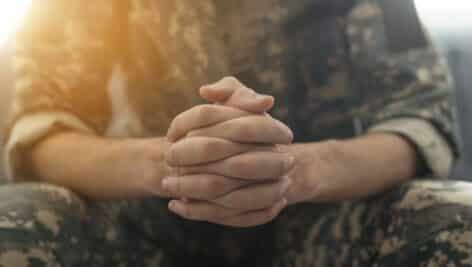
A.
pixel 229 167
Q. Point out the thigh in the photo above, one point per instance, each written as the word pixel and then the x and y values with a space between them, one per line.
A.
pixel 191 243
pixel 43 225
pixel 328 235
pixel 429 223
pixel 416 224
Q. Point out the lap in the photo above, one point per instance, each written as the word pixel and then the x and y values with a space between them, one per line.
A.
pixel 414 221
pixel 44 225
pixel 200 242
pixel 51 225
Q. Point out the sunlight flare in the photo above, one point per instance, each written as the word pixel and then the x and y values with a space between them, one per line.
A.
pixel 11 14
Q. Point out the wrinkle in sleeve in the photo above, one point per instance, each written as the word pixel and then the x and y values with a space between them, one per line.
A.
pixel 405 87
pixel 62 62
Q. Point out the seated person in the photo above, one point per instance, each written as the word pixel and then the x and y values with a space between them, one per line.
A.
pixel 130 168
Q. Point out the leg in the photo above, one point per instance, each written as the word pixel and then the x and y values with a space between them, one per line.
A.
pixel 42 225
pixel 203 244
pixel 429 224
pixel 423 223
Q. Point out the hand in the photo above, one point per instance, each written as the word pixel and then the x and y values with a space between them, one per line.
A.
pixel 223 144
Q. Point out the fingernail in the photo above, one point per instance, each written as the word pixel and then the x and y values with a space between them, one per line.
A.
pixel 207 86
pixel 260 96
pixel 290 134
pixel 286 185
pixel 174 206
pixel 284 203
pixel 288 163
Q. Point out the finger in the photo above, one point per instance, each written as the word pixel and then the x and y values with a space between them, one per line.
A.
pixel 221 90
pixel 255 196
pixel 201 116
pixel 230 92
pixel 248 100
pixel 201 187
pixel 248 129
pixel 202 150
pixel 252 219
pixel 247 166
pixel 242 98
pixel 201 211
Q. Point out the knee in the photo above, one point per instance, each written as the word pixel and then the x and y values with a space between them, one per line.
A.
pixel 420 195
pixel 449 247
pixel 39 207
pixel 422 209
pixel 432 206
pixel 39 224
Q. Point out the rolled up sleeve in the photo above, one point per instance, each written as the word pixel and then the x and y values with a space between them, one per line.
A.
pixel 405 84
pixel 62 64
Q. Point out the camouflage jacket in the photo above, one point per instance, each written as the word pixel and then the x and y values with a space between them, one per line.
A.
pixel 338 68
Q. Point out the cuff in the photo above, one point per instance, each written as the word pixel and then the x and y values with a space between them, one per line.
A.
pixel 28 130
pixel 431 144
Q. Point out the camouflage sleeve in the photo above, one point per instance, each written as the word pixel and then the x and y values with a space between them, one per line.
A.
pixel 62 63
pixel 404 85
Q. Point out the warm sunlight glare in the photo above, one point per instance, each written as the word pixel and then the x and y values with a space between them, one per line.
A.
pixel 11 14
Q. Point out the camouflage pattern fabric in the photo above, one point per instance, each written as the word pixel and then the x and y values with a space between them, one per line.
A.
pixel 327 62
pixel 425 223
pixel 127 67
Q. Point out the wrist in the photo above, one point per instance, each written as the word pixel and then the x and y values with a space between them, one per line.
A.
pixel 143 165
pixel 314 162
pixel 339 170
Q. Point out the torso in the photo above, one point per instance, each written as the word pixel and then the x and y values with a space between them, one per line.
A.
pixel 293 50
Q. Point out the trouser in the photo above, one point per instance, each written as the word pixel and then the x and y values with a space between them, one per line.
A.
pixel 422 223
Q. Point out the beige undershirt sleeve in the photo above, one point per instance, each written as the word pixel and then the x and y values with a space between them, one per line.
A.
pixel 431 144
pixel 28 130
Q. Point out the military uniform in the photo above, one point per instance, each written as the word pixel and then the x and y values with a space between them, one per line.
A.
pixel 125 68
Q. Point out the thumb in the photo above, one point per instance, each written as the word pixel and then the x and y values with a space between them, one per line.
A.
pixel 237 96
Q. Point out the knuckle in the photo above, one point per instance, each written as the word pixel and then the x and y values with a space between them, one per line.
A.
pixel 240 163
pixel 171 156
pixel 178 189
pixel 215 186
pixel 207 146
pixel 273 195
pixel 203 111
pixel 231 81
pixel 281 165
pixel 244 130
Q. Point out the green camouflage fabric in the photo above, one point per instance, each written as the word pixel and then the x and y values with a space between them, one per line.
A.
pixel 425 223
pixel 127 67
pixel 327 62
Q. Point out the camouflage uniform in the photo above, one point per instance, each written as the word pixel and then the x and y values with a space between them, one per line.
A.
pixel 338 68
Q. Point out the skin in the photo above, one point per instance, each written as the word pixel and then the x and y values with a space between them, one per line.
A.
pixel 322 172
pixel 228 162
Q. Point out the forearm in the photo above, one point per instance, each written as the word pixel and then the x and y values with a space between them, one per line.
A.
pixel 101 168
pixel 354 168
pixel 379 160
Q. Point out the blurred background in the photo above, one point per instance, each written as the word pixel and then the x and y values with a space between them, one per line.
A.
pixel 450 23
